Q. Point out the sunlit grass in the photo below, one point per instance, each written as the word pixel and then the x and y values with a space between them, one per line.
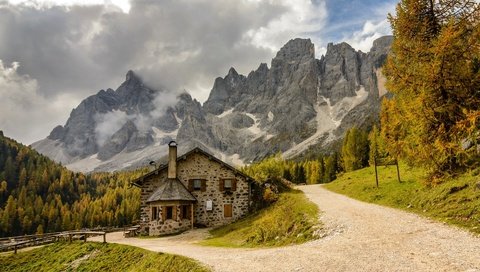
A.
pixel 79 256
pixel 291 220
pixel 455 201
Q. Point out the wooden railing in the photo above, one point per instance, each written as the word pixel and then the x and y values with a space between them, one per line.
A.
pixel 15 243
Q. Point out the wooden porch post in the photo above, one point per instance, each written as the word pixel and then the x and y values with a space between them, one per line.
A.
pixel 191 214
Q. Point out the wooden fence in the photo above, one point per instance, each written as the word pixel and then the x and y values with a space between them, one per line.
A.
pixel 16 242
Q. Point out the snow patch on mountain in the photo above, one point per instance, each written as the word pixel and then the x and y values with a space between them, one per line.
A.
pixel 225 113
pixel 328 118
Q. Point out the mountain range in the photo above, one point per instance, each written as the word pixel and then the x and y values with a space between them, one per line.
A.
pixel 296 105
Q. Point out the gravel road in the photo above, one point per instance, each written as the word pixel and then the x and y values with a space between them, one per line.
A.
pixel 359 237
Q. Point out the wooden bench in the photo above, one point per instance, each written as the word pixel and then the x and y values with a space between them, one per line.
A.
pixel 131 232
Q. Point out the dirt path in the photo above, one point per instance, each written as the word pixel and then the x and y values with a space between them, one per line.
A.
pixel 361 237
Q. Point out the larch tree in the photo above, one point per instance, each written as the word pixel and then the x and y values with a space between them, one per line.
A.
pixel 433 71
pixel 355 149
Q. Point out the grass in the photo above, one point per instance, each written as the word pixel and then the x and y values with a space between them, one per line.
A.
pixel 455 201
pixel 291 220
pixel 91 256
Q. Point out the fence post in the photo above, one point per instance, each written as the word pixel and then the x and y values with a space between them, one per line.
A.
pixel 398 171
pixel 104 238
pixel 376 174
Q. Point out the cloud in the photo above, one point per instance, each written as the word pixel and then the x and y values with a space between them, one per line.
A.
pixel 301 18
pixel 72 51
pixel 109 123
pixel 373 28
pixel 25 114
pixel 363 39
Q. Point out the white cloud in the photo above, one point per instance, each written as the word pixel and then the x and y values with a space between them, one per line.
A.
pixel 301 18
pixel 363 39
pixel 108 124
pixel 25 114
pixel 373 28
pixel 124 5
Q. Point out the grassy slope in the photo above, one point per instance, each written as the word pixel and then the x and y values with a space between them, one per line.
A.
pixel 455 201
pixel 291 220
pixel 103 257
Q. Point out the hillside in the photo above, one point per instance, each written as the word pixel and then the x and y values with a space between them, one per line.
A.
pixel 95 257
pixel 292 219
pixel 455 201
pixel 38 195
pixel 295 104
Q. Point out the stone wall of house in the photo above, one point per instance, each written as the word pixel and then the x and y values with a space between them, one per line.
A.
pixel 149 185
pixel 199 166
pixel 169 226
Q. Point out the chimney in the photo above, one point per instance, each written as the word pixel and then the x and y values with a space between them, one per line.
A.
pixel 172 160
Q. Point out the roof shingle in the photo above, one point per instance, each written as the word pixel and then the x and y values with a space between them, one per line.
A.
pixel 171 189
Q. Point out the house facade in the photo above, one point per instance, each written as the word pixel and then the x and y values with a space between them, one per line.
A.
pixel 195 189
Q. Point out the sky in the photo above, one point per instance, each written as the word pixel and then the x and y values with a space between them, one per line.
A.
pixel 55 53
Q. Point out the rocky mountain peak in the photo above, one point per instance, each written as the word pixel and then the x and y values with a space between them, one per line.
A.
pixel 131 77
pixel 298 104
pixel 232 72
pixel 296 50
pixel 340 48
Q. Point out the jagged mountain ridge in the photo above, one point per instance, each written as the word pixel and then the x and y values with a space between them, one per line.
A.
pixel 298 102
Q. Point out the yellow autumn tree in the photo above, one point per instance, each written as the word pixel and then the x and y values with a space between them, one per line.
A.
pixel 433 71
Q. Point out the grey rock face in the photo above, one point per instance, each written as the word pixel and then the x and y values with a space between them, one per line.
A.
pixel 298 102
pixel 340 75
pixel 117 142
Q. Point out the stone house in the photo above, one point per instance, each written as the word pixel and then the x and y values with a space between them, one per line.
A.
pixel 195 189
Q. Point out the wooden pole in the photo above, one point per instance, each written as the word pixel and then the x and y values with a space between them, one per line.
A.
pixel 15 249
pixel 398 171
pixel 104 238
pixel 376 174
pixel 84 237
pixel 191 214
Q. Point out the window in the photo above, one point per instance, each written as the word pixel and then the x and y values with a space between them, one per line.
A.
pixel 197 184
pixel 185 212
pixel 154 213
pixel 169 212
pixel 227 210
pixel 228 185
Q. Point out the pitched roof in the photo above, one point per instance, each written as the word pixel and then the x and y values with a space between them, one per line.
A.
pixel 138 181
pixel 171 189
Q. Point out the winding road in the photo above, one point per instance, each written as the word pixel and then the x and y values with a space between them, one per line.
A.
pixel 359 237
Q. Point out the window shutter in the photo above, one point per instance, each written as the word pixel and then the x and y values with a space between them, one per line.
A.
pixel 204 185
pixel 190 185
pixel 222 185
pixel 164 213
pixel 234 184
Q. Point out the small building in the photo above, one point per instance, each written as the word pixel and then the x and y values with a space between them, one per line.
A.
pixel 193 189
